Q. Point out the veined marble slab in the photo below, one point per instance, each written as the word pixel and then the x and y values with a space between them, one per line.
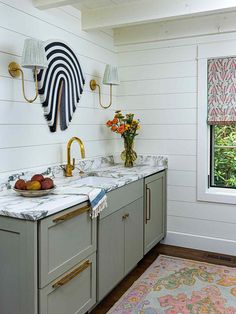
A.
pixel 67 193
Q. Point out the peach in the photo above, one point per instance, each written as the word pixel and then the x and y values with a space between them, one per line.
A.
pixel 20 184
pixel 37 177
pixel 47 184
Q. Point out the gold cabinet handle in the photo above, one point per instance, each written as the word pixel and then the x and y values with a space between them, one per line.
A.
pixel 125 216
pixel 71 275
pixel 72 214
pixel 148 204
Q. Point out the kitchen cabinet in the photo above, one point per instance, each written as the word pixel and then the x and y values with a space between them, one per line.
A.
pixel 120 236
pixel 48 266
pixel 154 209
pixel 68 262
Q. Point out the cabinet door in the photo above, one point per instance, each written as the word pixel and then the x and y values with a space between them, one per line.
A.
pixel 72 293
pixel 155 210
pixel 110 253
pixel 65 239
pixel 133 220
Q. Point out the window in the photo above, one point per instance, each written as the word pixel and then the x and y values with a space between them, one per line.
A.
pixel 216 122
pixel 223 156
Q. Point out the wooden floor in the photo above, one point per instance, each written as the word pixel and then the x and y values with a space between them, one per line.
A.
pixel 124 285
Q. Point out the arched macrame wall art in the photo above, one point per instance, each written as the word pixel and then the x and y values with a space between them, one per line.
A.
pixel 60 85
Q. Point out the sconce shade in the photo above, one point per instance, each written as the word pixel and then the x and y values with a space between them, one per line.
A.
pixel 34 54
pixel 111 75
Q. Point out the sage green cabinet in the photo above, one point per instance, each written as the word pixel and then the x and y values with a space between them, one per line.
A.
pixel 72 293
pixel 120 237
pixel 48 266
pixel 154 210
pixel 110 253
pixel 133 223
pixel 65 239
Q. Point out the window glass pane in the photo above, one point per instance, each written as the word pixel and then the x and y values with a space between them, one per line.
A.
pixel 223 156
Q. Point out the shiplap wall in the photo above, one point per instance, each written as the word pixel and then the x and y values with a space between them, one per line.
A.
pixel 25 140
pixel 159 85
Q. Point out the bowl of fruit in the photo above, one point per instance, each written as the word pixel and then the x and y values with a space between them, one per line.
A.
pixel 38 185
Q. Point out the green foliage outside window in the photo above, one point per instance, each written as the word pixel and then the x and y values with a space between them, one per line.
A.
pixel 224 155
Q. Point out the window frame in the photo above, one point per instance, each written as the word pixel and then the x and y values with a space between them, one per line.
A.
pixel 204 191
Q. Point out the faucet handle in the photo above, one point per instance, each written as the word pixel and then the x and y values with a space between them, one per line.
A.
pixel 73 164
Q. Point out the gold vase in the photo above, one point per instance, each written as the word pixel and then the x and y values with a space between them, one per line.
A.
pixel 128 155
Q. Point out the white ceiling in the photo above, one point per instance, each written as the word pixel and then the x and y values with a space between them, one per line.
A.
pixel 96 4
pixel 97 14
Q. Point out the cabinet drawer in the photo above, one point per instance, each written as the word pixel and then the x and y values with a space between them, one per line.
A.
pixel 65 239
pixel 73 293
pixel 121 197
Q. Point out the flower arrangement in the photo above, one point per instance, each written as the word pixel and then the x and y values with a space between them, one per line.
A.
pixel 127 127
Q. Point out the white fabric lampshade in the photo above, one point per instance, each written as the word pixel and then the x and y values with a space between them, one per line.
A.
pixel 111 75
pixel 34 54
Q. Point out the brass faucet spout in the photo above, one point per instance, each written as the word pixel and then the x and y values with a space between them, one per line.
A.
pixel 70 167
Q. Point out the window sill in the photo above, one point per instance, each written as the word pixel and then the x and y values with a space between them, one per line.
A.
pixel 218 195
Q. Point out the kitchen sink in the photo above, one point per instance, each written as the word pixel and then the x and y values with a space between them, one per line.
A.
pixel 95 181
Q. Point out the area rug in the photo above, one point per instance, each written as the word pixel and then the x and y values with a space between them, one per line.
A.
pixel 179 286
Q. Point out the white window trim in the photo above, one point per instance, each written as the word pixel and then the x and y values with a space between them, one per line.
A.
pixel 205 193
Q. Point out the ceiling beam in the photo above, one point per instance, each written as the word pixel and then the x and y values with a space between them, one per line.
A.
pixel 47 4
pixel 151 11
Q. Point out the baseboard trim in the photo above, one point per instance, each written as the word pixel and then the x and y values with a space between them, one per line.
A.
pixel 197 242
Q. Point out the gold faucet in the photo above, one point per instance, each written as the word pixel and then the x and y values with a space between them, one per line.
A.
pixel 70 167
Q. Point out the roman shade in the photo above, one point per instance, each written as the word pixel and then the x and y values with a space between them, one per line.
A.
pixel 221 79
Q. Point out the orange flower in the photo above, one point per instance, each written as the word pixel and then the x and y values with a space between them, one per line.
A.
pixel 114 128
pixel 115 121
pixel 121 129
pixel 109 123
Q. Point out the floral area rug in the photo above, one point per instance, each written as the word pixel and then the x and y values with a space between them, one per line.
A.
pixel 179 286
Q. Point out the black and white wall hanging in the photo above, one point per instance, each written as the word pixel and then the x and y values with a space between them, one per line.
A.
pixel 60 85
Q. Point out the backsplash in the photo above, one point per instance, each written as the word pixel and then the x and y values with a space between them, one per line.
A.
pixel 87 165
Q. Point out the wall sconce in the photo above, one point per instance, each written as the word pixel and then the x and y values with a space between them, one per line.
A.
pixel 110 78
pixel 34 58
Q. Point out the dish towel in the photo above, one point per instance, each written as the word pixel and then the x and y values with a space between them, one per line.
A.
pixel 97 197
pixel 98 200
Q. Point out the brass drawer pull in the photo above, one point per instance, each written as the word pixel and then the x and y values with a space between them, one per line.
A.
pixel 71 275
pixel 125 216
pixel 72 214
pixel 148 204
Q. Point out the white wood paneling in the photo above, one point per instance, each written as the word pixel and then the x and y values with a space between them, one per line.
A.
pixel 200 242
pixel 168 132
pixel 182 178
pixel 24 131
pixel 158 71
pixel 14 159
pixel 181 193
pixel 183 163
pixel 196 210
pixel 202 227
pixel 162 86
pixel 164 101
pixel 169 127
pixel 165 117
pixel 157 56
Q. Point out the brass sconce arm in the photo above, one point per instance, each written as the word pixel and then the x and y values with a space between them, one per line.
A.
pixel 15 71
pixel 93 85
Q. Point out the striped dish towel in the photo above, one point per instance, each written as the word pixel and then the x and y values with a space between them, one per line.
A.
pixel 98 200
pixel 97 197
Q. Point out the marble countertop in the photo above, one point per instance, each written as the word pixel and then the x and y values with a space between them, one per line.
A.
pixel 67 192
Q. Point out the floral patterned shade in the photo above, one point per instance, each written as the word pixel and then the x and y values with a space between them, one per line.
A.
pixel 222 91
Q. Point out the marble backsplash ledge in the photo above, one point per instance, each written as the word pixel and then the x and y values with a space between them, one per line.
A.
pixel 85 165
